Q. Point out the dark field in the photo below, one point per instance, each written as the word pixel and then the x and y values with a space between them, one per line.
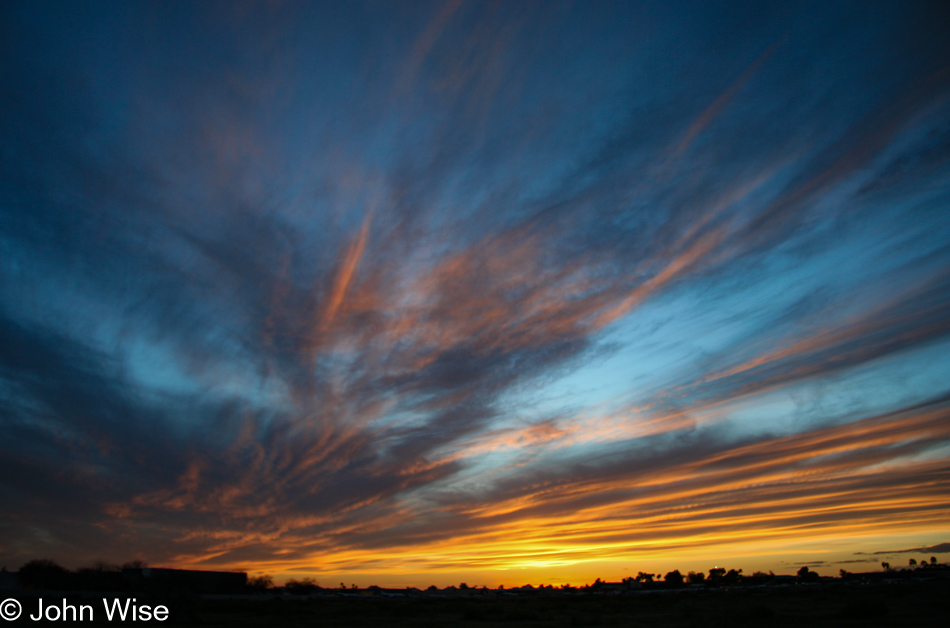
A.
pixel 886 604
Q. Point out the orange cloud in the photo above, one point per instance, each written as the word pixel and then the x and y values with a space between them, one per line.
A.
pixel 345 275
pixel 853 480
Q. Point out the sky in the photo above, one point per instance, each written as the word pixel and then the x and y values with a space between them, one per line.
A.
pixel 412 293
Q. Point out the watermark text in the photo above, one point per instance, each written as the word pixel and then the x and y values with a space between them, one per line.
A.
pixel 115 609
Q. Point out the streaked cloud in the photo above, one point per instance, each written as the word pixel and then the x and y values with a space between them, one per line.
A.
pixel 400 291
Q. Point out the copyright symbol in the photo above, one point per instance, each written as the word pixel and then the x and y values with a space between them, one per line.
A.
pixel 10 609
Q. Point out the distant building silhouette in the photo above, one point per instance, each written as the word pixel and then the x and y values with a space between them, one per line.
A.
pixel 201 582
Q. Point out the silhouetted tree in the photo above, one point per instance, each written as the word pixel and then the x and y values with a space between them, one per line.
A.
pixel 715 575
pixel 135 564
pixel 912 562
pixel 260 584
pixel 43 574
pixel 933 560
pixel 100 576
pixel 674 578
pixel 101 566
pixel 759 577
pixel 886 566
pixel 301 587
pixel 696 578
pixel 645 577
pixel 732 577
pixel 807 575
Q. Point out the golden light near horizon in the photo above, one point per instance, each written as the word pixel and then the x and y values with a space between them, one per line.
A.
pixel 682 519
pixel 435 292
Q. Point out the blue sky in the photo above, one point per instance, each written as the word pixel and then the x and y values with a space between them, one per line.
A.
pixel 412 292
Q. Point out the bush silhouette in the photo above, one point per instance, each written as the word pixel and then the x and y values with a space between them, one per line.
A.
pixel 301 587
pixel 674 578
pixel 733 576
pixel 260 584
pixel 44 574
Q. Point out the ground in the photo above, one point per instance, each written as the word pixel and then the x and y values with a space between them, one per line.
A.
pixel 808 606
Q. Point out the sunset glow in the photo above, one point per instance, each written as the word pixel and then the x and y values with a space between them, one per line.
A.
pixel 412 293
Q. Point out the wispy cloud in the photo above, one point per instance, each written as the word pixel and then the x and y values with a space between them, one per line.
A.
pixel 448 287
pixel 940 548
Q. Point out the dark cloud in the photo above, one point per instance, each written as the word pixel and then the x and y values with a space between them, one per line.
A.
pixel 938 549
